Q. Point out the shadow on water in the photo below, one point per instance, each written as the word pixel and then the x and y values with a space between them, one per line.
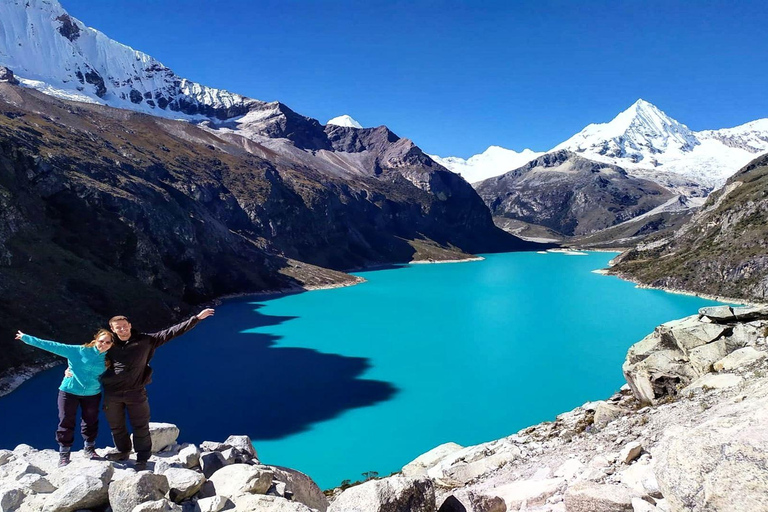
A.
pixel 219 379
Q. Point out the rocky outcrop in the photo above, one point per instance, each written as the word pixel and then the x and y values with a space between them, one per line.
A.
pixel 678 353
pixel 721 251
pixel 31 481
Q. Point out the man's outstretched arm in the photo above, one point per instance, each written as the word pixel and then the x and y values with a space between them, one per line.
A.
pixel 166 335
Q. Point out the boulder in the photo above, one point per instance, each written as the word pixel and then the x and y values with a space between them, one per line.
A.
pixel 102 470
pixel 23 450
pixel 299 487
pixel 715 381
pixel 183 483
pixel 466 464
pixel 743 357
pixel 659 374
pixel 157 506
pixel 238 479
pixel 79 492
pixel 210 462
pixel 641 480
pixel 702 358
pixel 5 456
pixel 261 503
pixel 189 456
pixel 591 497
pixel 163 435
pixel 242 443
pixel 569 469
pixel 419 466
pixel 468 501
pixel 126 494
pixel 212 504
pixel 213 446
pixel 394 493
pixel 692 333
pixel 630 452
pixel 606 413
pixel 530 492
pixel 36 483
pixel 718 464
pixel 11 497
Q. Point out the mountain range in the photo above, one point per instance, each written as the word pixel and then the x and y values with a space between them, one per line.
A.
pixel 648 144
pixel 104 208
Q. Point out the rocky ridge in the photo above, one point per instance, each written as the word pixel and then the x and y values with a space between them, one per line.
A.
pixel 720 251
pixel 695 442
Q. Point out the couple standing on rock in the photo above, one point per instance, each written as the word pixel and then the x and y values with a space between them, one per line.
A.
pixel 117 359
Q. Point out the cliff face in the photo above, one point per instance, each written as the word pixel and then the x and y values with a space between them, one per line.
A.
pixel 722 250
pixel 105 210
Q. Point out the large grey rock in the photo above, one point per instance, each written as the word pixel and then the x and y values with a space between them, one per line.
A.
pixel 743 357
pixel 162 505
pixel 77 493
pixel 242 443
pixel 692 333
pixel 392 494
pixel 591 497
pixel 11 497
pixel 606 413
pixel 724 314
pixel 468 501
pixel 419 466
pixel 630 452
pixel 660 373
pixel 720 464
pixel 163 435
pixel 126 494
pixel 702 358
pixel 210 462
pixel 261 503
pixel 36 483
pixel 102 470
pixel 211 504
pixel 299 487
pixel 715 381
pixel 532 492
pixel 241 479
pixel 641 479
pixel 466 464
pixel 183 483
pixel 189 456
pixel 5 456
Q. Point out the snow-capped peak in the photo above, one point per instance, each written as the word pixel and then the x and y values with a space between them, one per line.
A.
pixel 493 161
pixel 344 120
pixel 49 50
pixel 635 134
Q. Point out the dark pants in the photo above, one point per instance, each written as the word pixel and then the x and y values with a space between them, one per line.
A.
pixel 89 424
pixel 135 403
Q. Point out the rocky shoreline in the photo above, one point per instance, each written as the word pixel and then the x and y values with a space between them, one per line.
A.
pixel 689 432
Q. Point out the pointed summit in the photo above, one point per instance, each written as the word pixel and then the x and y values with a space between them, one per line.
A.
pixel 344 120
pixel 636 134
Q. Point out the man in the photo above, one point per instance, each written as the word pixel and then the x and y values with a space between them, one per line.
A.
pixel 125 380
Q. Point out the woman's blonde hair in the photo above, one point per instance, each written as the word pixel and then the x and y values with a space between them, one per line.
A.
pixel 96 336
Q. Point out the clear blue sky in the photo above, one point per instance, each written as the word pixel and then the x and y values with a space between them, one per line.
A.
pixel 456 77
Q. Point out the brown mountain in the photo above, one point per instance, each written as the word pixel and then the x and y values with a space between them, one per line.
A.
pixel 106 211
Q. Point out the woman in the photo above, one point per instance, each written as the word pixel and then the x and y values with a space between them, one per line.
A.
pixel 86 363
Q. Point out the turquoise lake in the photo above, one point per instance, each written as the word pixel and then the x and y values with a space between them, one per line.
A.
pixel 344 381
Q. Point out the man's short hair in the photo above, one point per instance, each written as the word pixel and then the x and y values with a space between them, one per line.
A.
pixel 118 318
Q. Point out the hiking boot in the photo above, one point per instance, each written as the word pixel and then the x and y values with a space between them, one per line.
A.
pixel 63 459
pixel 141 465
pixel 117 456
pixel 89 452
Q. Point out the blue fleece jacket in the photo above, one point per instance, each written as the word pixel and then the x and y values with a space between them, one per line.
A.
pixel 85 363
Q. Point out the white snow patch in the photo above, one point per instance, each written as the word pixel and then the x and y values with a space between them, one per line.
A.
pixel 344 120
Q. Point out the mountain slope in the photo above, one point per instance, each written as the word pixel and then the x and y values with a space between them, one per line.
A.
pixel 722 250
pixel 570 194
